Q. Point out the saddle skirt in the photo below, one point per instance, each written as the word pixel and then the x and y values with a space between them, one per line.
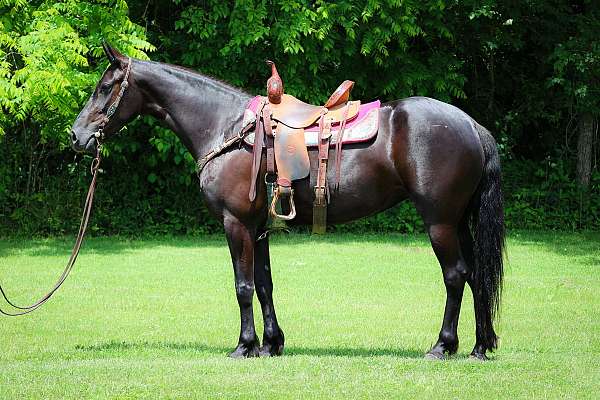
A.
pixel 361 128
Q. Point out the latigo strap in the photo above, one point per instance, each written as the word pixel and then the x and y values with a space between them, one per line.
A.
pixel 321 195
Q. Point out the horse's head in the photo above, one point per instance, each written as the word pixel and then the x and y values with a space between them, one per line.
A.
pixel 114 102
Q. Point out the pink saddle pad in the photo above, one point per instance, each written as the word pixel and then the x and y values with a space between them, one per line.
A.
pixel 362 128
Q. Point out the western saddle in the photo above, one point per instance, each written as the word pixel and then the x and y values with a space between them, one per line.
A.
pixel 280 123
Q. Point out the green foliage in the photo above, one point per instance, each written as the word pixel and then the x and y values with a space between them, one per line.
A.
pixel 43 188
pixel 319 42
pixel 532 69
pixel 526 70
pixel 51 58
pixel 546 196
pixel 576 62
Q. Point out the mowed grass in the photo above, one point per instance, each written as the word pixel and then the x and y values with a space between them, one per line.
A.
pixel 156 318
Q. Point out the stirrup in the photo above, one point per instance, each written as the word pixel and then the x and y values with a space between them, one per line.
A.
pixel 284 217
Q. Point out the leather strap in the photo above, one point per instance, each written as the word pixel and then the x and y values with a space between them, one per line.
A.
pixel 320 203
pixel 201 163
pixel 257 151
pixel 271 168
pixel 338 150
pixel 100 135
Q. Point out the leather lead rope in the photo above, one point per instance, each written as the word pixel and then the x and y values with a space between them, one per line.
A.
pixel 87 209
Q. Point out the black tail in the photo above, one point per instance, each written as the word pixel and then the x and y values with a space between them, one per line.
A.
pixel 487 224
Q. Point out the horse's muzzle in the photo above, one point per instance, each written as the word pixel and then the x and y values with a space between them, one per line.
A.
pixel 87 145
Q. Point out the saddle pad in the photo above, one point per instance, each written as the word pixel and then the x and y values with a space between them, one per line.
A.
pixel 363 128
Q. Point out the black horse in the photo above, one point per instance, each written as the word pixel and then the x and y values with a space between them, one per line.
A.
pixel 427 151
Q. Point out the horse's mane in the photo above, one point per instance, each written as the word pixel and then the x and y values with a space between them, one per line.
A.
pixel 195 75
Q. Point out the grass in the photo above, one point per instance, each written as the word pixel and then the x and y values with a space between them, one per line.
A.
pixel 156 318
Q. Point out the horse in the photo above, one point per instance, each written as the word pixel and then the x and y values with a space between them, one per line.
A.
pixel 425 151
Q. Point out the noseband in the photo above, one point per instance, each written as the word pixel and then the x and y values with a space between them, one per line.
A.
pixel 113 107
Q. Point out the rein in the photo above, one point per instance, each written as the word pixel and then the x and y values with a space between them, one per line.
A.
pixel 87 209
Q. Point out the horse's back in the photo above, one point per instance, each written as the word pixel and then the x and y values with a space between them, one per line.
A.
pixel 430 120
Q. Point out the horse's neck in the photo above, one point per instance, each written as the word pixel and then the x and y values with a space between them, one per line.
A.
pixel 199 109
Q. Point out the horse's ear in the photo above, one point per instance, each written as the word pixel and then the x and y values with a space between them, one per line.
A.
pixel 113 55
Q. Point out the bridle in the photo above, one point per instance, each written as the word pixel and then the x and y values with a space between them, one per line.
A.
pixel 87 209
pixel 113 107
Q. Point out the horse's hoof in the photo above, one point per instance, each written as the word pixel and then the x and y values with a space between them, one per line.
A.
pixel 272 346
pixel 478 356
pixel 245 351
pixel 435 355
pixel 270 351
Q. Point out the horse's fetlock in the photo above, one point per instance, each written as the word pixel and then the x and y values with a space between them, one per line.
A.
pixel 450 340
pixel 249 339
pixel 273 333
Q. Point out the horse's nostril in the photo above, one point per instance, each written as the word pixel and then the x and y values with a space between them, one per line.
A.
pixel 73 136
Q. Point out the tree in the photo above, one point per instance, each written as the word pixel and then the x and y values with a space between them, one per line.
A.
pixel 577 74
pixel 50 58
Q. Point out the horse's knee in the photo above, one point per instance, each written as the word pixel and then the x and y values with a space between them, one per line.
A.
pixel 244 291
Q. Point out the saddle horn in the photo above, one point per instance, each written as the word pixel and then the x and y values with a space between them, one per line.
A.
pixel 274 84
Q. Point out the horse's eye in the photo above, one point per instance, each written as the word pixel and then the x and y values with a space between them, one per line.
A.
pixel 105 88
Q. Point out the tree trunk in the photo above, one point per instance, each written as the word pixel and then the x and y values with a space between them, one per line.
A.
pixel 584 149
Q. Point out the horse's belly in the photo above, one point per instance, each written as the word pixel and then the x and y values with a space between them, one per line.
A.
pixel 368 185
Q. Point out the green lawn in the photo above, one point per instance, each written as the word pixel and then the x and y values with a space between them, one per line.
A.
pixel 156 318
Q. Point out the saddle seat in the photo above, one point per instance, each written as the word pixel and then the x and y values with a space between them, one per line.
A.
pixel 297 114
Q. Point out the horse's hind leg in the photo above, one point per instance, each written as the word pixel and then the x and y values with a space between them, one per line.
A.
pixel 445 243
pixel 481 316
pixel 273 339
pixel 241 246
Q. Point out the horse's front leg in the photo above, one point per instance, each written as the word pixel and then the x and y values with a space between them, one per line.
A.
pixel 241 246
pixel 273 339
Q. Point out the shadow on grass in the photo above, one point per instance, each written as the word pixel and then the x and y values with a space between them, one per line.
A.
pixel 103 245
pixel 113 346
pixel 583 245
pixel 353 352
pixel 120 245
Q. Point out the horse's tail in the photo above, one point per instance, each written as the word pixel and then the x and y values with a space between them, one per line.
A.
pixel 487 223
